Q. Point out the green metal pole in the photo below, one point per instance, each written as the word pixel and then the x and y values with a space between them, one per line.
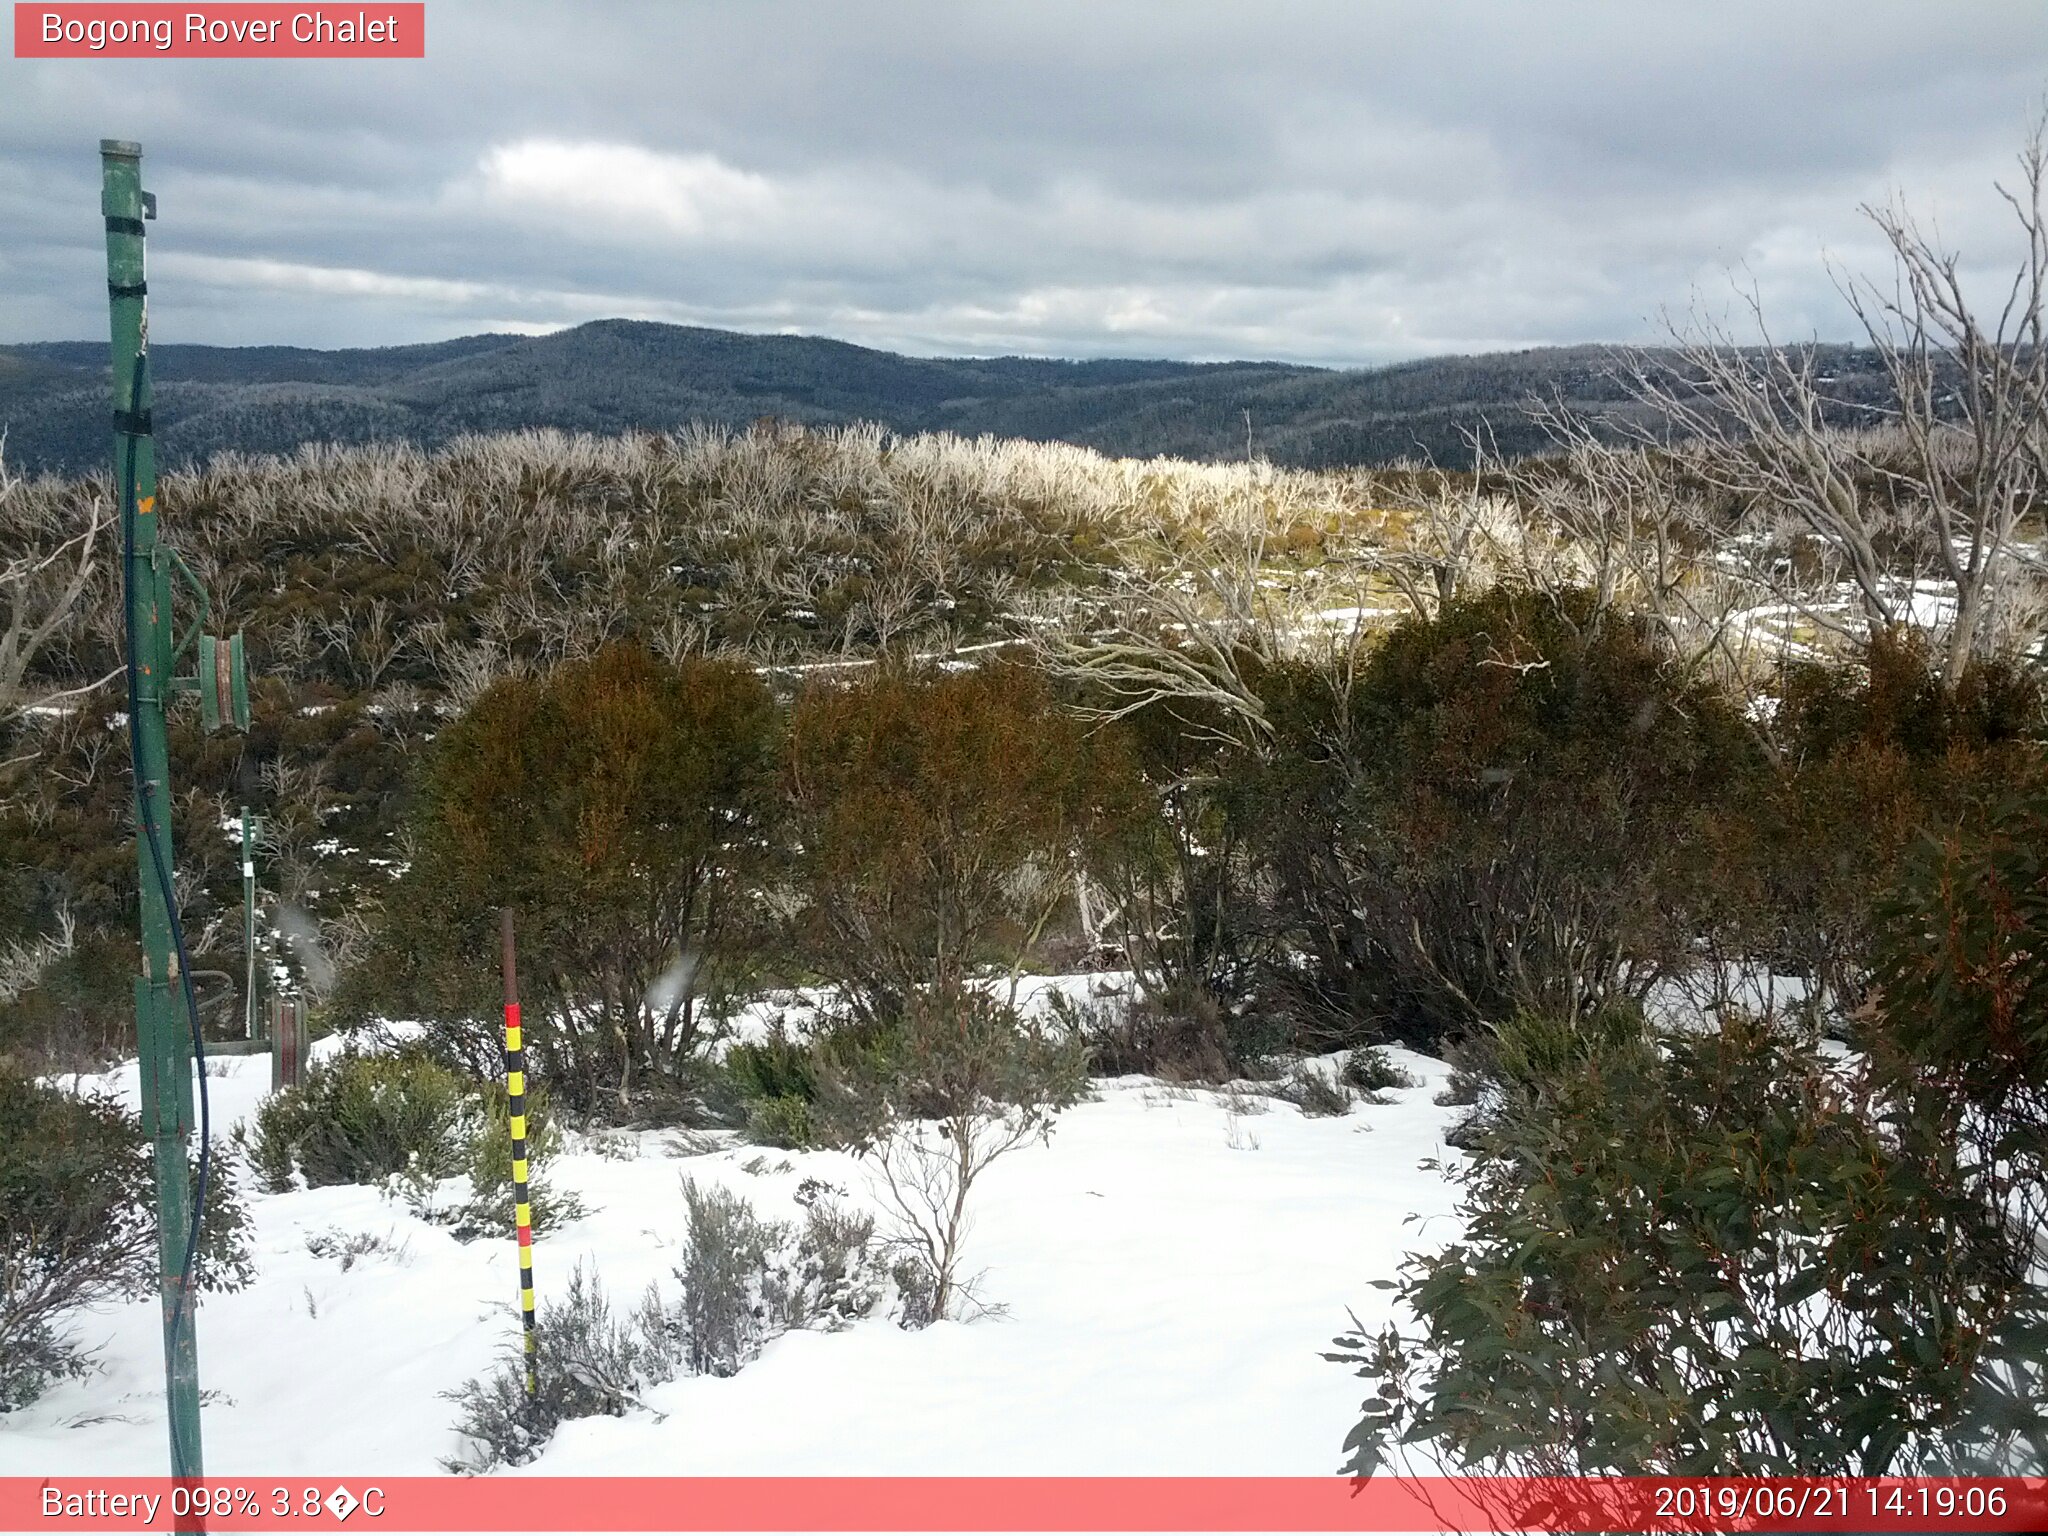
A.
pixel 161 1028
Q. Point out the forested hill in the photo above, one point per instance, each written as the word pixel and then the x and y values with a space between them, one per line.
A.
pixel 617 375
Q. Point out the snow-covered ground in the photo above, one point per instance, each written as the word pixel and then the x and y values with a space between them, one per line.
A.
pixel 1171 1267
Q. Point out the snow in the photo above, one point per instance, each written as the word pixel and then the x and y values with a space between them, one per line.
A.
pixel 799 1009
pixel 1347 617
pixel 1922 603
pixel 1698 1002
pixel 1166 1274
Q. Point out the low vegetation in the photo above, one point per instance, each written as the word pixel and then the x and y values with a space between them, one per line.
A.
pixel 78 1229
pixel 408 1122
pixel 362 1119
pixel 1726 1250
pixel 742 1282
pixel 958 1083
pixel 1707 1255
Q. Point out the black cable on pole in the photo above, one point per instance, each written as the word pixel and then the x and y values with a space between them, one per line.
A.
pixel 188 1274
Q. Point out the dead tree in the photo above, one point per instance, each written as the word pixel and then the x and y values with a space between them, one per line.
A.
pixel 1644 541
pixel 41 580
pixel 1182 634
pixel 1961 455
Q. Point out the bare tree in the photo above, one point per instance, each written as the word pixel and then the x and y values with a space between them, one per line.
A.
pixel 1183 629
pixel 965 1084
pixel 1973 471
pixel 41 580
pixel 1939 493
pixel 890 606
pixel 1445 534
pixel 1642 538
pixel 23 961
pixel 367 642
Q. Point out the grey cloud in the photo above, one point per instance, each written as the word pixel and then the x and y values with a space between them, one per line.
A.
pixel 1339 182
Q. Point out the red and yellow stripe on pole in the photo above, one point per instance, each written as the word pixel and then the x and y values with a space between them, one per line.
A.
pixel 515 1095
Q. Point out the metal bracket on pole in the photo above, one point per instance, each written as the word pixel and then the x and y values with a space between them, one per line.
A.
pixel 223 684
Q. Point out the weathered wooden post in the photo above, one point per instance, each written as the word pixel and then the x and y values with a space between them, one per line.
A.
pixel 286 1017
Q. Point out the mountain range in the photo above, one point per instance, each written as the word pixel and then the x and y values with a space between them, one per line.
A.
pixel 613 376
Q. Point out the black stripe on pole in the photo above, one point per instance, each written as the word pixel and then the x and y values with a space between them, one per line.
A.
pixel 117 225
pixel 515 1105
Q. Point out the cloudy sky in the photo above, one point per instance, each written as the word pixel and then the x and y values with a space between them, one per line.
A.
pixel 1346 182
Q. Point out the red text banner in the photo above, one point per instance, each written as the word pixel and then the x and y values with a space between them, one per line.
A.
pixel 921 1504
pixel 237 31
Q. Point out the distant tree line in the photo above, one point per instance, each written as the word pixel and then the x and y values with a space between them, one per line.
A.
pixel 618 376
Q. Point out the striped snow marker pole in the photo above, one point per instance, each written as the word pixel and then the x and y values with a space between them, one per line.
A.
pixel 515 1095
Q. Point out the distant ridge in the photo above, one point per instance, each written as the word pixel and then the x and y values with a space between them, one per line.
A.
pixel 614 376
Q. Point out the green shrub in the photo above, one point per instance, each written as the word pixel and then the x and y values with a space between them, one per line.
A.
pixel 772 1084
pixel 776 1067
pixel 961 1082
pixel 79 1015
pixel 1182 1034
pixel 619 804
pixel 1962 968
pixel 1711 1253
pixel 361 1118
pixel 491 1207
pixel 725 1316
pixel 1368 1069
pixel 586 1363
pixel 77 1227
pixel 745 1281
pixel 785 1121
pixel 349 1249
pixel 1498 814
pixel 1170 847
pixel 1315 1094
pixel 1961 1018
pixel 1897 699
pixel 1870 758
pixel 934 815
